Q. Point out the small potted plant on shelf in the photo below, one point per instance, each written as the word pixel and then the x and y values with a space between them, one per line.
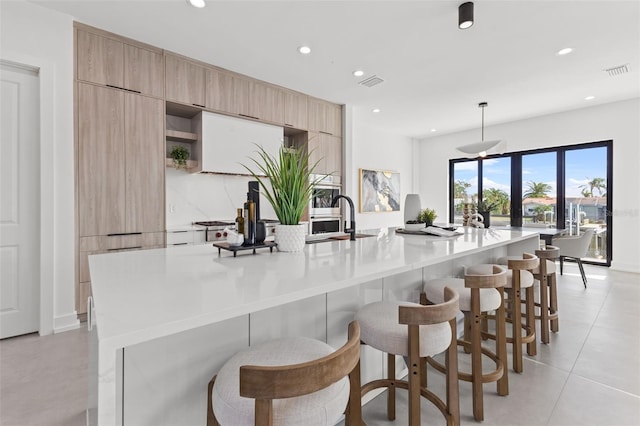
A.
pixel 289 191
pixel 179 155
pixel 427 216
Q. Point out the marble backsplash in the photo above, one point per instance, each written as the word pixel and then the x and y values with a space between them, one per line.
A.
pixel 197 197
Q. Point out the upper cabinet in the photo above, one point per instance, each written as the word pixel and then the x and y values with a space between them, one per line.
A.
pixel 295 110
pixel 185 81
pixel 220 91
pixel 115 63
pixel 325 117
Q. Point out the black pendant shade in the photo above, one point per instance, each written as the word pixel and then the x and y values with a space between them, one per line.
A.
pixel 465 15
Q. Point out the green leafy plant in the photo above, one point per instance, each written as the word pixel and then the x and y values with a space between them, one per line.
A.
pixel 427 216
pixel 179 155
pixel 485 206
pixel 290 188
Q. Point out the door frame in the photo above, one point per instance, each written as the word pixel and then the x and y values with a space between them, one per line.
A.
pixel 45 71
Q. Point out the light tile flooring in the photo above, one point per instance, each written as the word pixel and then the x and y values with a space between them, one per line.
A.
pixel 589 374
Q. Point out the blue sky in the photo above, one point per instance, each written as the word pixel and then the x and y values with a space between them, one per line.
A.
pixel 581 166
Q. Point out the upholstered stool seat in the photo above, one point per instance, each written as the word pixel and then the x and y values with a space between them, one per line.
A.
pixel 415 332
pixel 380 329
pixel 296 394
pixel 490 298
pixel 479 294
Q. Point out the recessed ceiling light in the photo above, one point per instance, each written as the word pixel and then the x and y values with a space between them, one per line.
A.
pixel 564 51
pixel 305 50
pixel 433 130
pixel 375 110
pixel 197 3
pixel 590 97
pixel 358 73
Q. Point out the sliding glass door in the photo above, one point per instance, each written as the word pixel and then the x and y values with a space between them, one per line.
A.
pixel 565 187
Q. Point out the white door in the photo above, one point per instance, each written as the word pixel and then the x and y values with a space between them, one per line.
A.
pixel 19 201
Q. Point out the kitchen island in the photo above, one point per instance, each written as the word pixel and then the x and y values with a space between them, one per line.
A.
pixel 165 320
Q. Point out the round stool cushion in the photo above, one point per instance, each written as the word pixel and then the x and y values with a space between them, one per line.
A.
pixel 319 408
pixel 551 265
pixel 489 297
pixel 526 277
pixel 379 328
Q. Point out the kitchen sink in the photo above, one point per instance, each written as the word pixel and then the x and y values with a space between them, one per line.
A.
pixel 339 237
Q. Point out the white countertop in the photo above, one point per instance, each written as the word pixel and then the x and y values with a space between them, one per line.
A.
pixel 143 295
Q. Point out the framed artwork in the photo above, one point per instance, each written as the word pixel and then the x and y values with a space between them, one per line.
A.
pixel 379 191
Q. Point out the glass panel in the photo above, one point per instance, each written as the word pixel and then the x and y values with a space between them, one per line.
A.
pixel 496 189
pixel 585 197
pixel 539 189
pixel 465 186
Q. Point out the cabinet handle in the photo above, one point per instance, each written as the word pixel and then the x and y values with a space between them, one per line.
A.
pixel 125 248
pixel 179 244
pixel 326 133
pixel 179 232
pixel 89 313
pixel 249 116
pixel 198 105
pixel 121 234
pixel 123 88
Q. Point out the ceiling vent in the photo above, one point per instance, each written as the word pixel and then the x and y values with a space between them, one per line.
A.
pixel 371 81
pixel 619 70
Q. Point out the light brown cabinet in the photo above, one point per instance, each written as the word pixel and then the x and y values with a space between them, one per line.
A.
pixel 325 117
pixel 220 91
pixel 185 81
pixel 120 162
pixel 110 62
pixel 295 110
pixel 266 102
pixel 327 151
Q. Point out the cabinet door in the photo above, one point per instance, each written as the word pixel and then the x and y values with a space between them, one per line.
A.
pixel 241 90
pixel 333 117
pixel 101 201
pixel 144 163
pixel 332 153
pixel 266 102
pixel 100 59
pixel 143 71
pixel 317 115
pixel 220 93
pixel 295 110
pixel 315 148
pixel 185 81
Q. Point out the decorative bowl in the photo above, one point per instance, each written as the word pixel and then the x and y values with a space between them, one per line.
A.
pixel 414 226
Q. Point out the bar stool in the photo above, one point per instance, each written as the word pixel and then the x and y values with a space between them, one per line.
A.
pixel 293 381
pixel 546 274
pixel 414 331
pixel 478 295
pixel 519 277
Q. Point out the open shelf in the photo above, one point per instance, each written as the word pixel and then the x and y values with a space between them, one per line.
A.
pixel 179 136
pixel 191 164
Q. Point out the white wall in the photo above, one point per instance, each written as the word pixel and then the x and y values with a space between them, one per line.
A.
pixel 618 121
pixel 38 37
pixel 377 150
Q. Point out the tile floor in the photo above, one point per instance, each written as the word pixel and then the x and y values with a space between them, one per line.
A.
pixel 589 374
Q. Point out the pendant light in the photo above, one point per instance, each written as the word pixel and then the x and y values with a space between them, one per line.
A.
pixel 465 15
pixel 482 148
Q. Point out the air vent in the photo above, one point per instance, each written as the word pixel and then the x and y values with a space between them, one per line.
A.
pixel 619 70
pixel 371 81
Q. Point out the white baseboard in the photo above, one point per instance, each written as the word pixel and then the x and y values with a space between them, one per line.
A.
pixel 625 267
pixel 66 323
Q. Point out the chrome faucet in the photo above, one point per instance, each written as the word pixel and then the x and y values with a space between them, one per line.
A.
pixel 352 229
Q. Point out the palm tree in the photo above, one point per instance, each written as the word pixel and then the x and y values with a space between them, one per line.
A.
pixel 596 183
pixel 585 192
pixel 460 189
pixel 537 190
pixel 497 197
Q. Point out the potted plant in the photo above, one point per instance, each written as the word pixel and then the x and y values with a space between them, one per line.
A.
pixel 484 209
pixel 179 155
pixel 289 191
pixel 427 216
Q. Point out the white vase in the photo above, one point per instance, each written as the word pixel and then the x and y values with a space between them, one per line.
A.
pixel 412 207
pixel 290 238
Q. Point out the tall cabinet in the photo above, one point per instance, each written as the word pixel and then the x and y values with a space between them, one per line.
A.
pixel 119 153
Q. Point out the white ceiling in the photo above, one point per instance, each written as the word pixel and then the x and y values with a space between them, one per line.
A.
pixel 435 74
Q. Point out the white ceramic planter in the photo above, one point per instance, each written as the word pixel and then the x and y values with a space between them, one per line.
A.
pixel 414 226
pixel 290 238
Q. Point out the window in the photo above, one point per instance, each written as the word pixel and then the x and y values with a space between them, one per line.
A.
pixel 564 187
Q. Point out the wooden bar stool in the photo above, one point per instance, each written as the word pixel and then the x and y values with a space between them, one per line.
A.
pixel 478 295
pixel 294 381
pixel 414 331
pixel 546 274
pixel 519 278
